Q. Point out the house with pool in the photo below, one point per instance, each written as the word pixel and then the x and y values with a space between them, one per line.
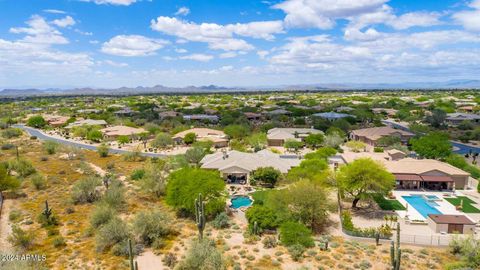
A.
pixel 236 167
pixel 413 174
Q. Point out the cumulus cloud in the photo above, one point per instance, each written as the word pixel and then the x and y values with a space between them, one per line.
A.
pixel 411 19
pixel 218 37
pixel 198 57
pixel 132 45
pixel 40 31
pixel 183 11
pixel 65 22
pixel 470 19
pixel 323 13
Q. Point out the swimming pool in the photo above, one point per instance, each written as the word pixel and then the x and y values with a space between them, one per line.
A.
pixel 241 201
pixel 423 206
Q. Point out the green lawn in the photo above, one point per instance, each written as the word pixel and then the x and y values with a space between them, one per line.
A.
pixel 467 204
pixel 387 204
pixel 259 196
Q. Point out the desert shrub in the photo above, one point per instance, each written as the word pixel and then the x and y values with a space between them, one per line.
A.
pixel 468 249
pixel 85 190
pixel 52 220
pixel 101 215
pixel 36 121
pixel 269 242
pixel 170 260
pixel 202 255
pixel 14 215
pixel 7 146
pixel 122 249
pixel 50 147
pixel 114 197
pixel 294 233
pixel 114 232
pixel 151 226
pixel 38 181
pixel 102 150
pixel 378 149
pixel 296 252
pixel 59 241
pixel 20 238
pixel 221 221
pixel 22 166
pixel 11 133
pixel 137 174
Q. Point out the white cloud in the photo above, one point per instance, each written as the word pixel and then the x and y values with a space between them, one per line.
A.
pixel 54 11
pixel 40 32
pixel 219 37
pixel 470 19
pixel 323 13
pixel 132 45
pixel 112 2
pixel 198 57
pixel 181 50
pixel 228 55
pixel 65 22
pixel 411 19
pixel 183 11
pixel 112 63
pixel 262 54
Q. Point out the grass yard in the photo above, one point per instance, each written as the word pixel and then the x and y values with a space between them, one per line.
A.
pixel 387 204
pixel 467 204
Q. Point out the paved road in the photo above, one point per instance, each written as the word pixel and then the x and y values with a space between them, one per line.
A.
pixel 42 136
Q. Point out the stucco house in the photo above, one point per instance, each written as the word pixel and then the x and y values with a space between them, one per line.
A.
pixel 278 136
pixel 218 137
pixel 111 133
pixel 235 166
pixel 371 136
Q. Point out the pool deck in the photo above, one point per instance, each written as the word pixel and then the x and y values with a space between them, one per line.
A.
pixel 443 206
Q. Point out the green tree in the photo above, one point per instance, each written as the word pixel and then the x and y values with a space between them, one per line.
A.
pixel 257 141
pixel 190 138
pixel 433 145
pixel 267 175
pixel 94 135
pixel 123 139
pixel 162 140
pixel 184 185
pixel 237 131
pixel 437 118
pixel 265 217
pixel 152 227
pixel 323 153
pixel 314 140
pixel 364 178
pixel 356 146
pixel 388 141
pixel 293 145
pixel 308 169
pixel 154 180
pixel 36 121
pixel 294 233
pixel 194 155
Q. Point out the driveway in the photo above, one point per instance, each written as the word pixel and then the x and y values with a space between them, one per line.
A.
pixel 42 136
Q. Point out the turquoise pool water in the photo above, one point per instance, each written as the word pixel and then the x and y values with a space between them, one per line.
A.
pixel 423 206
pixel 431 197
pixel 241 201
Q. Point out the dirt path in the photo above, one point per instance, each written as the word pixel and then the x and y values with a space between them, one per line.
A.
pixel 5 228
pixel 149 261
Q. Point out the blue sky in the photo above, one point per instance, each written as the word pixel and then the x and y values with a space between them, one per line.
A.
pixel 113 43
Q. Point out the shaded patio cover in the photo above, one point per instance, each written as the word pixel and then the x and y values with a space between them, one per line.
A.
pixel 434 178
pixel 408 177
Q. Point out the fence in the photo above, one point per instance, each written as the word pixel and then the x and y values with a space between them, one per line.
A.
pixel 427 240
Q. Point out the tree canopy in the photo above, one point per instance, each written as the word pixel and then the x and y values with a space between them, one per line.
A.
pixel 267 175
pixel 36 121
pixel 184 185
pixel 364 178
pixel 433 145
pixel 314 140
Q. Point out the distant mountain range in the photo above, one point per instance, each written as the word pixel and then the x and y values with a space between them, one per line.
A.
pixel 452 84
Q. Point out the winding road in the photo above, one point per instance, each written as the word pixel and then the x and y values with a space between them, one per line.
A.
pixel 42 136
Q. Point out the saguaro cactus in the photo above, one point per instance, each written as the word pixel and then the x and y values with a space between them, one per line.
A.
pixel 255 228
pixel 133 264
pixel 396 252
pixel 47 212
pixel 200 215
